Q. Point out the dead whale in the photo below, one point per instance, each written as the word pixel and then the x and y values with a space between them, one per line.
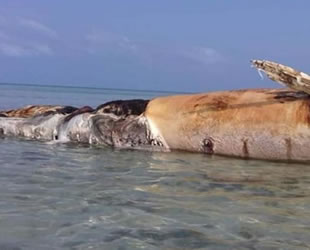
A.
pixel 270 124
pixel 262 123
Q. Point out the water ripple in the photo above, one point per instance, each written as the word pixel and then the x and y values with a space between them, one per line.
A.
pixel 78 197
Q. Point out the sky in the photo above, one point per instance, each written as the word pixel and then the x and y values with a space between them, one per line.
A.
pixel 175 45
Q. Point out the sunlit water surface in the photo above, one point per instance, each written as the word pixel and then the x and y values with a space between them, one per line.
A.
pixel 68 196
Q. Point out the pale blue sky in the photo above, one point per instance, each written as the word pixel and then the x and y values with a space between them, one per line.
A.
pixel 184 45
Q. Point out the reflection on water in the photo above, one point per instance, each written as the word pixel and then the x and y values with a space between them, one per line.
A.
pixel 76 197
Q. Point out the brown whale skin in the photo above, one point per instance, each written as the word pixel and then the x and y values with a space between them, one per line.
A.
pixel 270 124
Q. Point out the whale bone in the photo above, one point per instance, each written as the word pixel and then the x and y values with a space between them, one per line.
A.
pixel 284 75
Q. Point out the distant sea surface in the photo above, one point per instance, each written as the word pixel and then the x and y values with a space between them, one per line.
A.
pixel 73 196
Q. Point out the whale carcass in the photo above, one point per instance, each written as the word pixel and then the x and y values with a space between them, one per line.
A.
pixel 270 124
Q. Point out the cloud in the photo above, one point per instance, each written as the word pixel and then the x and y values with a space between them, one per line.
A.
pixel 39 27
pixel 42 49
pixel 21 37
pixel 3 36
pixel 153 56
pixel 203 55
pixel 15 50
pixel 98 40
pixel 12 50
pixel 2 19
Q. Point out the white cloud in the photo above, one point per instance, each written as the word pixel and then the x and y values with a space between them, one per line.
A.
pixel 152 54
pixel 15 50
pixel 12 50
pixel 2 19
pixel 20 37
pixel 125 43
pixel 96 37
pixel 39 27
pixel 42 49
pixel 100 40
pixel 3 36
pixel 203 55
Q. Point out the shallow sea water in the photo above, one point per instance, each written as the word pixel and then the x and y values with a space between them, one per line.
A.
pixel 68 196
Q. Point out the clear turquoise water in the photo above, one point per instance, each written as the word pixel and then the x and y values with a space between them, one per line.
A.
pixel 66 196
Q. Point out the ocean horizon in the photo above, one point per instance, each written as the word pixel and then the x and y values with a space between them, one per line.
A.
pixel 93 87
